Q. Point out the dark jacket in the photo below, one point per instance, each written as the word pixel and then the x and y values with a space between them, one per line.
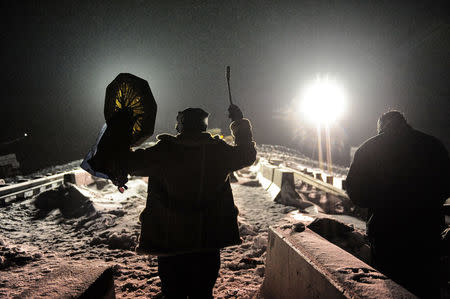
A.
pixel 190 205
pixel 402 176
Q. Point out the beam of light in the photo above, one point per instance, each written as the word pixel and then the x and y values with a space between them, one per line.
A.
pixel 319 146
pixel 328 146
pixel 323 102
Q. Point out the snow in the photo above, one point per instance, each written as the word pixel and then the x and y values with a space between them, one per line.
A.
pixel 98 225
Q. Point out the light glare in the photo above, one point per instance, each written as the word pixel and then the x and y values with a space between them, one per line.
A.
pixel 323 101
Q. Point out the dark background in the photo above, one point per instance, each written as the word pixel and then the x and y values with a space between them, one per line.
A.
pixel 58 57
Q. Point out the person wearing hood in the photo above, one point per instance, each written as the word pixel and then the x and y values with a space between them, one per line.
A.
pixel 190 213
pixel 402 176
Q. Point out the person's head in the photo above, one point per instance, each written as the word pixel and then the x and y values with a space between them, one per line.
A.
pixel 391 120
pixel 192 120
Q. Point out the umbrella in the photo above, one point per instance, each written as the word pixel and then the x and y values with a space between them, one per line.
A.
pixel 132 94
pixel 130 113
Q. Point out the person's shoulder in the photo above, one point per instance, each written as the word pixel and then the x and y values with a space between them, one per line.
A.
pixel 215 141
pixel 371 142
pixel 165 140
pixel 424 136
pixel 208 138
pixel 428 139
pixel 166 137
pixel 370 146
pixel 211 140
pixel 218 139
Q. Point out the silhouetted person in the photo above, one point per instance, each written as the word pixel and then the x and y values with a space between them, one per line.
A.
pixel 402 176
pixel 190 213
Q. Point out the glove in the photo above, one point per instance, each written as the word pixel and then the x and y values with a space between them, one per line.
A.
pixel 234 113
pixel 120 126
pixel 119 176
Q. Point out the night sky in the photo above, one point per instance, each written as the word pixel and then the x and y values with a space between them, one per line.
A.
pixel 58 57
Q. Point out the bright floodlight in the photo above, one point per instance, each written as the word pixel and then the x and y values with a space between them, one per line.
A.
pixel 323 101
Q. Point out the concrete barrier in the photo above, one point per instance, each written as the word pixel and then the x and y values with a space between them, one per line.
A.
pixel 79 177
pixel 265 175
pixel 277 182
pixel 74 281
pixel 305 265
pixel 330 179
pixel 280 184
pixel 27 189
pixel 284 189
pixel 319 184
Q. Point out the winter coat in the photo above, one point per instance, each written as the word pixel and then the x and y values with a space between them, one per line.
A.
pixel 190 204
pixel 402 176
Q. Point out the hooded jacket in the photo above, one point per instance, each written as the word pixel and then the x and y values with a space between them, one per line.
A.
pixel 190 204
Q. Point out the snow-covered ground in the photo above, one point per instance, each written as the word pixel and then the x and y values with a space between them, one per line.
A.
pixel 98 225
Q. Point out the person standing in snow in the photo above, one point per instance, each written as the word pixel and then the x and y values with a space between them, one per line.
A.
pixel 402 176
pixel 190 213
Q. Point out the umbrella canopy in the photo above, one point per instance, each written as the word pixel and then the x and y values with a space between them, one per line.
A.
pixel 132 94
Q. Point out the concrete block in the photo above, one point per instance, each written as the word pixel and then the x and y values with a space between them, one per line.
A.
pixel 330 179
pixel 318 176
pixel 79 177
pixel 74 281
pixel 305 265
pixel 337 182
pixel 284 180
pixel 265 175
pixel 283 189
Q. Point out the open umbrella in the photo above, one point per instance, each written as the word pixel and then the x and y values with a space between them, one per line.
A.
pixel 130 113
pixel 131 93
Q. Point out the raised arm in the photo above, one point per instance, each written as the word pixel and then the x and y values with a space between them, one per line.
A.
pixel 243 153
pixel 145 162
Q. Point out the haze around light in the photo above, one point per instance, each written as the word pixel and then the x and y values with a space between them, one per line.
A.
pixel 323 101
